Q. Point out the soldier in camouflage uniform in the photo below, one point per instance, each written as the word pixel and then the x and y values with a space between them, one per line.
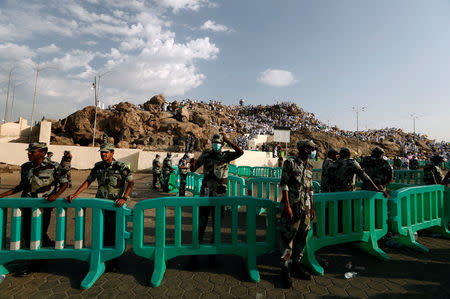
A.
pixel 111 176
pixel 332 156
pixel 38 178
pixel 297 210
pixel 342 174
pixel 156 171
pixel 183 170
pixel 66 163
pixel 397 163
pixel 432 173
pixel 378 169
pixel 414 163
pixel 166 171
pixel 215 164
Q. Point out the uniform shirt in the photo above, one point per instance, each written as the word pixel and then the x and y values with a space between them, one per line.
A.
pixel 379 170
pixel 183 163
pixel 324 184
pixel 432 171
pixel 296 178
pixel 156 166
pixel 342 175
pixel 111 179
pixel 167 165
pixel 215 170
pixel 414 164
pixel 41 180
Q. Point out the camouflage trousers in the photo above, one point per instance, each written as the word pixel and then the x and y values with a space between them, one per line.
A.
pixel 166 177
pixel 293 233
pixel 182 190
pixel 156 179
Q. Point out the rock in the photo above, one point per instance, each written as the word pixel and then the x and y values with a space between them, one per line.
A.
pixel 61 140
pixel 200 119
pixel 157 100
pixel 123 144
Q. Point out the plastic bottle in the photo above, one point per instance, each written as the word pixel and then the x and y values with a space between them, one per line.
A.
pixel 2 277
pixel 349 275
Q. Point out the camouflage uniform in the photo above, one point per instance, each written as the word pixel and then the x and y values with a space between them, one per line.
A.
pixel 414 164
pixel 432 172
pixel 296 178
pixel 166 171
pixel 183 174
pixel 379 170
pixel 156 171
pixel 111 185
pixel 215 170
pixel 324 184
pixel 39 181
pixel 342 175
pixel 397 163
pixel 66 162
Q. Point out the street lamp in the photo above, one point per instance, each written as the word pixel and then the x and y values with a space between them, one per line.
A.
pixel 358 109
pixel 96 87
pixel 414 117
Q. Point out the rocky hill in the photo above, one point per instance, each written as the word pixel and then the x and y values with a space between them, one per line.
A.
pixel 160 125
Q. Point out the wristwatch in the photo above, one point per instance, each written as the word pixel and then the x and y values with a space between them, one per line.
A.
pixel 125 198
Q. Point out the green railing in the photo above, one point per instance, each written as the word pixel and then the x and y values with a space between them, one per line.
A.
pixel 363 217
pixel 235 186
pixel 245 171
pixel 96 255
pixel 317 174
pixel 413 177
pixel 232 169
pixel 416 208
pixel 261 172
pixel 193 183
pixel 162 250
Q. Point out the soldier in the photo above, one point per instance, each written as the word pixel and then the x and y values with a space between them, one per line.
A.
pixel 215 164
pixel 446 178
pixel 166 171
pixel 378 169
pixel 66 162
pixel 414 163
pixel 38 178
pixel 397 163
pixel 156 171
pixel 183 169
pixel 297 210
pixel 111 176
pixel 342 174
pixel 432 173
pixel 332 156
pixel 49 156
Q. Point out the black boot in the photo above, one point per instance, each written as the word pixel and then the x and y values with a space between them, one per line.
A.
pixel 286 277
pixel 300 271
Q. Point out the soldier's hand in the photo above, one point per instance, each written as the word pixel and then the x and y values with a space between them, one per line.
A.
pixel 51 198
pixel 120 202
pixel 224 135
pixel 313 214
pixel 385 194
pixel 70 198
pixel 288 212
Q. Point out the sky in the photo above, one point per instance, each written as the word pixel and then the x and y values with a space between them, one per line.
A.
pixel 388 60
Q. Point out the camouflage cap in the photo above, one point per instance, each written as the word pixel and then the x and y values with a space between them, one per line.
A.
pixel 106 147
pixel 217 138
pixel 377 151
pixel 37 146
pixel 169 155
pixel 306 142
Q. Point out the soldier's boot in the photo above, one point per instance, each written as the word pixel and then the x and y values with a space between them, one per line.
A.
pixel 300 271
pixel 286 277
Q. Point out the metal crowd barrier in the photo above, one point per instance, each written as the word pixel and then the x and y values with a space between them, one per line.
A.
pixel 414 177
pixel 161 250
pixel 96 255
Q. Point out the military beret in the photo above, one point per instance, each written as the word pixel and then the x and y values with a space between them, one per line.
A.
pixel 306 142
pixel 106 147
pixel 36 146
pixel 217 138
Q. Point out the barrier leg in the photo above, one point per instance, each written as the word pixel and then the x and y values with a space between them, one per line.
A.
pixel 159 267
pixel 96 269
pixel 3 270
pixel 371 247
pixel 309 256
pixel 252 268
pixel 409 241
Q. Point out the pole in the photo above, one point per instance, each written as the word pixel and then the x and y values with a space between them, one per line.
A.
pixel 95 116
pixel 34 102
pixel 12 103
pixel 5 119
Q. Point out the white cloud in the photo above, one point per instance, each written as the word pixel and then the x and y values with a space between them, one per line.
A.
pixel 49 49
pixel 278 78
pixel 10 51
pixel 213 26
pixel 177 5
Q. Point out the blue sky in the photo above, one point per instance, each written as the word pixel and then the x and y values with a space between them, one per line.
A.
pixel 327 56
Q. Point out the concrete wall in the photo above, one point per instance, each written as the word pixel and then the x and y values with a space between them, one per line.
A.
pixel 15 129
pixel 45 131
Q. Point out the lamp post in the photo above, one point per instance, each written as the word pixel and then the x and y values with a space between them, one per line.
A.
pixel 96 87
pixel 358 109
pixel 5 119
pixel 414 117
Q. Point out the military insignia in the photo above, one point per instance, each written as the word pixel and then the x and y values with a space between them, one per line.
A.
pixel 125 172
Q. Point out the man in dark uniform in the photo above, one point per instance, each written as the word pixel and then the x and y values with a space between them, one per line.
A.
pixel 111 176
pixel 156 171
pixel 378 169
pixel 215 164
pixel 166 171
pixel 414 163
pixel 66 163
pixel 332 156
pixel 183 170
pixel 38 178
pixel 297 210
pixel 397 163
pixel 432 173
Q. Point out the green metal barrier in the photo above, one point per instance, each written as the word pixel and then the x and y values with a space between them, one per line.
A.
pixel 161 250
pixel 194 183
pixel 360 224
pixel 267 188
pixel 416 208
pixel 232 169
pixel 261 171
pixel 414 177
pixel 245 171
pixel 276 172
pixel 235 186
pixel 96 255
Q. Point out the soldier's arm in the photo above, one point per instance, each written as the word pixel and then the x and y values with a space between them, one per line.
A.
pixel 196 164
pixel 14 190
pixel 285 189
pixel 446 178
pixel 83 187
pixel 58 193
pixel 126 173
pixel 237 149
pixel 61 177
